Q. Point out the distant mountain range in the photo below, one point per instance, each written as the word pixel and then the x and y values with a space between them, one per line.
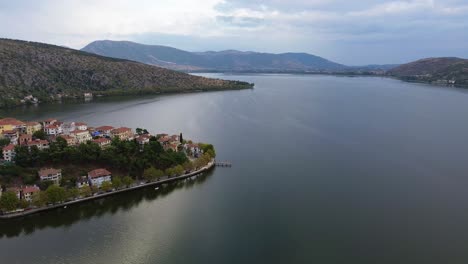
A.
pixel 431 70
pixel 222 61
pixel 48 72
pixel 434 70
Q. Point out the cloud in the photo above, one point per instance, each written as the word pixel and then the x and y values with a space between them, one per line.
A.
pixel 348 31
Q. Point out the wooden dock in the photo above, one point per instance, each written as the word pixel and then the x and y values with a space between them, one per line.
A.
pixel 223 164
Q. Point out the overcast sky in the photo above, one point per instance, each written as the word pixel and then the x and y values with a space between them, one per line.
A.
pixel 346 31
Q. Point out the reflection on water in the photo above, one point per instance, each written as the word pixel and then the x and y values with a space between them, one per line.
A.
pixel 95 208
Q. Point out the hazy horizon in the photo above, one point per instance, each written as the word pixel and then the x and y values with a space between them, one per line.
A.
pixel 368 32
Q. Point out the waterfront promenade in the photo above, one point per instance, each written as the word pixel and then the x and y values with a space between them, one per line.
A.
pixel 135 186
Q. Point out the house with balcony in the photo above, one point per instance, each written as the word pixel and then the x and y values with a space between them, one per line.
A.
pixel 81 136
pixel 9 153
pixel 99 176
pixel 50 174
pixel 123 133
pixel 31 127
pixel 40 144
pixel 103 142
pixel 53 129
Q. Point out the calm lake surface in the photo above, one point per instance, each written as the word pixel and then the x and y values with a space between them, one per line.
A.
pixel 325 170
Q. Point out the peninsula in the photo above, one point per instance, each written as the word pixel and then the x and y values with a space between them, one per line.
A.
pixel 50 164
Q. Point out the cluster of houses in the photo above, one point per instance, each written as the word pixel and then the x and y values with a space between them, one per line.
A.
pixel 74 133
pixel 94 178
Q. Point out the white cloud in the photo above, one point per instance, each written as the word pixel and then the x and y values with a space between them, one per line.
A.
pixel 326 27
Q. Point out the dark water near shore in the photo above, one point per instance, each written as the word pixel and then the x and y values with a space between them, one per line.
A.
pixel 326 170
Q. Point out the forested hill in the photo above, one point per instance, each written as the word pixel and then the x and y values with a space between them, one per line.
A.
pixel 434 70
pixel 49 72
pixel 228 60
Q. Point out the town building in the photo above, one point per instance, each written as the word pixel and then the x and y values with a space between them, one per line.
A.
pixel 103 142
pixel 82 181
pixel 99 176
pixel 71 141
pixel 105 130
pixel 8 124
pixel 49 121
pixel 81 136
pixel 31 127
pixel 123 133
pixel 12 135
pixel 81 126
pixel 27 192
pixel 143 139
pixel 67 128
pixel 9 153
pixel 24 139
pixel 53 129
pixel 40 144
pixel 24 192
pixel 50 174
pixel 193 150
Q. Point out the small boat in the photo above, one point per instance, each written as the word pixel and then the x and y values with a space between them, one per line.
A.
pixel 65 207
pixel 157 188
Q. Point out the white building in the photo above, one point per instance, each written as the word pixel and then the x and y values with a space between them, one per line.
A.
pixel 81 126
pixel 53 129
pixel 40 144
pixel 81 136
pixel 98 176
pixel 50 174
pixel 9 153
pixel 82 181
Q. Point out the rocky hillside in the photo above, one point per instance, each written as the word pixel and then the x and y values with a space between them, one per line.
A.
pixel 49 72
pixel 434 70
pixel 229 60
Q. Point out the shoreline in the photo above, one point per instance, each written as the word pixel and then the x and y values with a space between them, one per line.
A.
pixel 208 167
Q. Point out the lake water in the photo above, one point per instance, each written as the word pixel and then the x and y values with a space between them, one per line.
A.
pixel 325 170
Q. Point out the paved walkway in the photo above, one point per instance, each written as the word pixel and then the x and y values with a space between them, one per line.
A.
pixel 210 165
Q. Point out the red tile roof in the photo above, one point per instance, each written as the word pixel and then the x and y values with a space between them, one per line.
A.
pixel 30 189
pixel 51 126
pixel 9 147
pixel 11 121
pixel 104 128
pixel 98 173
pixel 32 123
pixel 38 142
pixel 6 132
pixel 79 131
pixel 80 124
pixel 121 130
pixel 47 171
pixel 101 140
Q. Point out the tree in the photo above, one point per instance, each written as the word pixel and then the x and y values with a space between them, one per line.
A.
pixel 150 174
pixel 85 191
pixel 208 147
pixel 181 139
pixel 9 201
pixel 4 142
pixel 127 181
pixel 178 170
pixel 39 199
pixel 73 193
pixel 116 182
pixel 106 186
pixel 40 134
pixel 23 204
pixel 188 166
pixel 56 194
